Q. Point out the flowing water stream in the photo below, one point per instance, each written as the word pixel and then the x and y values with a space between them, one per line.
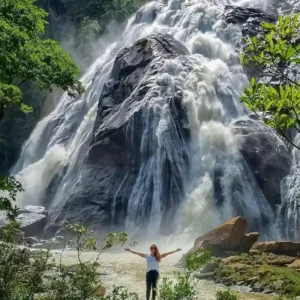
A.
pixel 125 269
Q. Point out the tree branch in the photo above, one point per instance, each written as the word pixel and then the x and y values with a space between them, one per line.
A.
pixel 288 139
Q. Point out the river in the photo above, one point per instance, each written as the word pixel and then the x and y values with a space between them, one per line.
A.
pixel 128 270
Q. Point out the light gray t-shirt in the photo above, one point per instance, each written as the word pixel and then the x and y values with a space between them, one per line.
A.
pixel 152 263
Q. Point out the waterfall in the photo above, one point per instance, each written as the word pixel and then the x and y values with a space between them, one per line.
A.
pixel 52 165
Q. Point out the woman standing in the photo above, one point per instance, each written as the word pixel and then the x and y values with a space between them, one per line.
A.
pixel 153 261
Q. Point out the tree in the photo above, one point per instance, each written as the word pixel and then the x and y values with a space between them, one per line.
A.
pixel 274 55
pixel 25 56
pixel 95 15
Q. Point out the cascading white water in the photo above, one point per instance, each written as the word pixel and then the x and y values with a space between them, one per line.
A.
pixel 211 94
pixel 289 210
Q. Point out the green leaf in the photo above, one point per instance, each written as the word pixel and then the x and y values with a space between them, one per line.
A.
pixel 270 26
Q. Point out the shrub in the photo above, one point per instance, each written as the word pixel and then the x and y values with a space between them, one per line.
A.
pixel 226 295
pixel 183 287
pixel 196 260
pixel 24 273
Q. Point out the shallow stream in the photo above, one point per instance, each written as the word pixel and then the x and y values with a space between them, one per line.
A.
pixel 128 270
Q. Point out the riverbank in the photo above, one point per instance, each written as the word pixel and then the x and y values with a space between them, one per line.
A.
pixel 123 269
pixel 260 272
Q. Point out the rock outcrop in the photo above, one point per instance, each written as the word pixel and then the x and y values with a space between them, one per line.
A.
pixel 228 237
pixel 265 154
pixel 248 240
pixel 225 237
pixel 140 127
pixel 249 18
pixel 278 247
pixel 32 220
pixel 295 264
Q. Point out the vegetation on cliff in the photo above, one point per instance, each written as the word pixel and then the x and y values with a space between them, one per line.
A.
pixel 274 94
pixel 25 57
pixel 92 17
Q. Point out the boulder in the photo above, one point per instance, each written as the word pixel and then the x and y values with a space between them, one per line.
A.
pixel 32 219
pixel 248 240
pixel 202 276
pixel 280 248
pixel 32 224
pixel 226 237
pixel 138 117
pixel 34 209
pixel 295 264
pixel 280 260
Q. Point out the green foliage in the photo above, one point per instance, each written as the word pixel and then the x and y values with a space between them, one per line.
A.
pixel 89 29
pixel 197 259
pixel 262 268
pixel 183 287
pixel 24 273
pixel 273 53
pixel 20 272
pixel 93 16
pixel 121 293
pixel 226 295
pixel 24 56
pixel 9 187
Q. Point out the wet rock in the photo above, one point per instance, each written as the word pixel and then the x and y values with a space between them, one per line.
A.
pixel 32 240
pixel 258 286
pixel 251 281
pixel 266 155
pixel 32 224
pixel 248 240
pixel 267 290
pixel 126 140
pixel 249 18
pixel 34 210
pixel 202 275
pixel 279 248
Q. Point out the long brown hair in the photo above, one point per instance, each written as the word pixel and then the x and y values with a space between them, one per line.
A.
pixel 157 253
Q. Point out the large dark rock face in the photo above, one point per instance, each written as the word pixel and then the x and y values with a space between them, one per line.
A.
pixel 138 155
pixel 249 18
pixel 265 154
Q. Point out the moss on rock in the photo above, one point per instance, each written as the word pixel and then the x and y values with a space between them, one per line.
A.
pixel 262 272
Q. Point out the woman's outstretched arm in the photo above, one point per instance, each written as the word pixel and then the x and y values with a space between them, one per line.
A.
pixel 169 253
pixel 137 253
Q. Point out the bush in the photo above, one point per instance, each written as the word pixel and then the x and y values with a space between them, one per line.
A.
pixel 181 288
pixel 226 295
pixel 25 273
pixel 21 272
pixel 196 260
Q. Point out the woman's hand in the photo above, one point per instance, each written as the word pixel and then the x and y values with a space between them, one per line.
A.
pixel 127 249
pixel 178 249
